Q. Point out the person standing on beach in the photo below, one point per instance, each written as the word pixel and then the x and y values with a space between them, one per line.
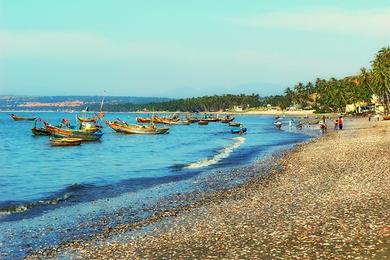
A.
pixel 336 124
pixel 340 122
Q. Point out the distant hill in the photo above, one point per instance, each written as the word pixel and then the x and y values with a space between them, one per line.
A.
pixel 9 102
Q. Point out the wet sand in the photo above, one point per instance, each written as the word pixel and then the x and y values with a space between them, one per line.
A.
pixel 329 198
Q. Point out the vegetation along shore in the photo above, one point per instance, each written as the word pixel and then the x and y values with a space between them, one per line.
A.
pixel 369 88
pixel 329 198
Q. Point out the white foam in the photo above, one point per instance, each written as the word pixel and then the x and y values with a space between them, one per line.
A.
pixel 222 154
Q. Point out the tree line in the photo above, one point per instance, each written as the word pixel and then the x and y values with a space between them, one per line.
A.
pixel 195 104
pixel 323 95
pixel 332 95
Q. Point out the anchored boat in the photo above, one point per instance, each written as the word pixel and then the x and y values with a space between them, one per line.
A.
pixel 227 119
pixel 39 130
pixel 87 119
pixel 65 141
pixel 192 119
pixel 71 133
pixel 123 127
pixel 238 131
pixel 19 118
pixel 143 120
pixel 234 124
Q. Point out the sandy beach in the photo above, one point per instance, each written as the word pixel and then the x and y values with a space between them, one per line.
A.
pixel 328 199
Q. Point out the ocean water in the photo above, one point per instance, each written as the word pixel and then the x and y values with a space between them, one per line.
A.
pixel 52 194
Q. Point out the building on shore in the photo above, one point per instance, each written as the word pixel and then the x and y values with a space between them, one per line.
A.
pixel 362 107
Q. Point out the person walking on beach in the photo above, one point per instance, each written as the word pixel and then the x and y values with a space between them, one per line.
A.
pixel 323 127
pixel 340 122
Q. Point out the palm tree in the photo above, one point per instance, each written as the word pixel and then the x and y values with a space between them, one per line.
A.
pixel 381 75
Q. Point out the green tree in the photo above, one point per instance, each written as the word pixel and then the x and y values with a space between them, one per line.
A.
pixel 381 76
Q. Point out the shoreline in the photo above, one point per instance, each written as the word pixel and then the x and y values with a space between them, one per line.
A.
pixel 251 112
pixel 220 183
pixel 339 211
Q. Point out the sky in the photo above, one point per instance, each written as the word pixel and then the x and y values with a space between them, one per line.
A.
pixel 176 48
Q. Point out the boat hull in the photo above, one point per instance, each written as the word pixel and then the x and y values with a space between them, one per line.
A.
pixel 238 131
pixel 69 133
pixel 211 119
pixel 136 129
pixel 87 119
pixel 40 131
pixel 65 141
pixel 193 120
pixel 143 120
pixel 234 124
pixel 227 120
pixel 19 118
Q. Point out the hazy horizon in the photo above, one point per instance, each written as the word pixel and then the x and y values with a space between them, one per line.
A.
pixel 182 49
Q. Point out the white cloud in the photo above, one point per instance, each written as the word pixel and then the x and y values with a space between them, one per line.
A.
pixel 357 22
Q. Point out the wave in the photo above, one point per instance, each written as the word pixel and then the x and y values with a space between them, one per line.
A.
pixel 222 154
pixel 22 207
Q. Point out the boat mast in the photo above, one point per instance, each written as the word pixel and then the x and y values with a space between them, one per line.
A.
pixel 101 104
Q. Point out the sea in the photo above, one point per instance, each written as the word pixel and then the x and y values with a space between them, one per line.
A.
pixel 49 195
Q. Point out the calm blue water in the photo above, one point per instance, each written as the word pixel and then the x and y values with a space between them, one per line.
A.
pixel 48 194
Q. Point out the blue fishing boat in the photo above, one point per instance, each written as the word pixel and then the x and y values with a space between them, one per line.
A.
pixel 238 130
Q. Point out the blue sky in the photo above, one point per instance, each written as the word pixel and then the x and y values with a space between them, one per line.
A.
pixel 183 48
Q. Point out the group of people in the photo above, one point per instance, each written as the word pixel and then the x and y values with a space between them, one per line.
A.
pixel 338 123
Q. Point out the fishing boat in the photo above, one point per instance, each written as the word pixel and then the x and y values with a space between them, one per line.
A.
pixel 238 131
pixel 37 130
pixel 71 133
pixel 65 141
pixel 143 120
pixel 167 120
pixel 278 124
pixel 40 131
pixel 211 119
pixel 234 124
pixel 123 127
pixel 94 119
pixel 179 122
pixel 157 120
pixel 203 122
pixel 87 119
pixel 19 118
pixel 227 119
pixel 193 119
pixel 90 127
